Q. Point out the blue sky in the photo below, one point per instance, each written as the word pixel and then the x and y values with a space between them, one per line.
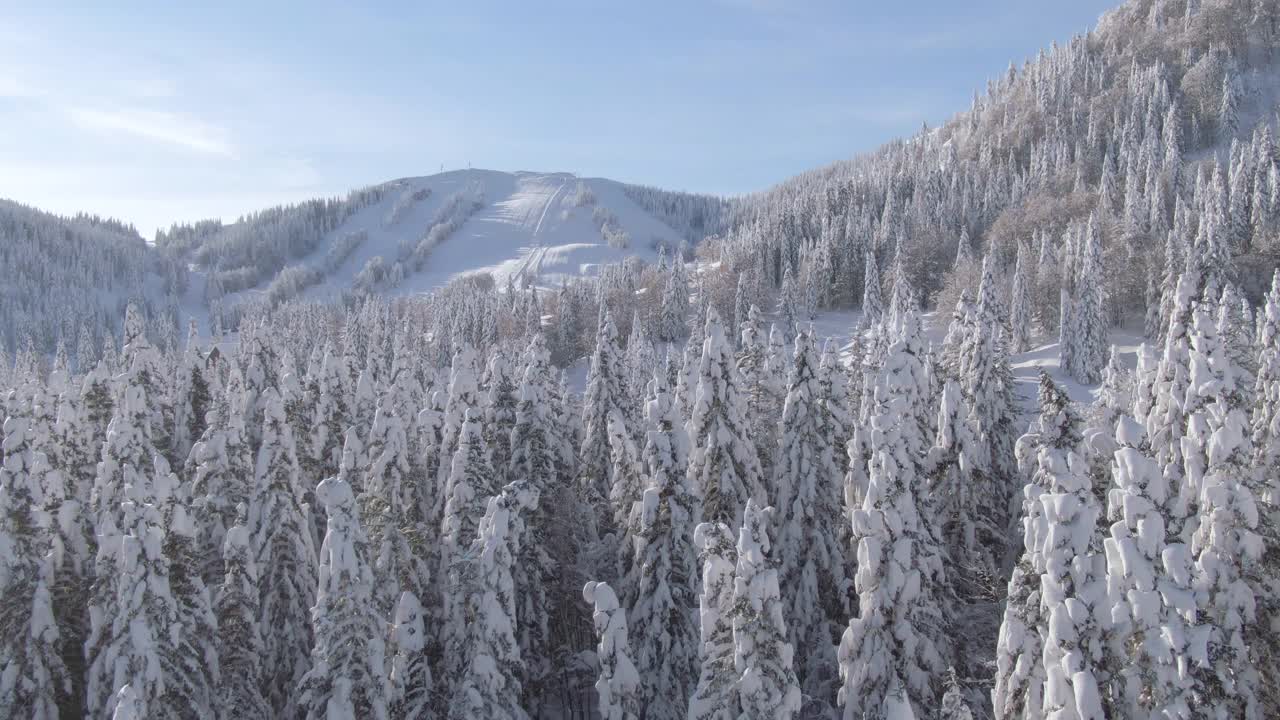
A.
pixel 156 112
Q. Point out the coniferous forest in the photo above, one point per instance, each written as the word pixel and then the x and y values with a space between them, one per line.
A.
pixel 660 491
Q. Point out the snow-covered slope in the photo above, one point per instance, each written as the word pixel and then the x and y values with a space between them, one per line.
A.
pixel 534 227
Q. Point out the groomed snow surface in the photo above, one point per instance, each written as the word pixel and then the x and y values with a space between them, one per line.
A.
pixel 534 227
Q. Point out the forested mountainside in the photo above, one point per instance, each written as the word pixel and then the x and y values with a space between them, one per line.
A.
pixel 67 280
pixel 383 505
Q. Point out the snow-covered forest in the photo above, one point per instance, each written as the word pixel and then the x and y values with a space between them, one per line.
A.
pixel 659 490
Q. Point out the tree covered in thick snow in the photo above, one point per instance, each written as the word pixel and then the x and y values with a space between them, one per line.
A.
pixel 1149 580
pixel 33 677
pixel 539 449
pixel 605 398
pixel 390 508
pixel 411 684
pixel 221 477
pixel 1020 670
pixel 134 644
pixel 1226 545
pixel 723 465
pixel 762 657
pixel 663 571
pixel 898 638
pixel 1090 329
pixel 716 694
pixel 347 678
pixel 808 549
pixel 489 684
pixel 240 648
pixel 762 385
pixel 1020 309
pixel 280 524
pixel 618 686
pixel 966 497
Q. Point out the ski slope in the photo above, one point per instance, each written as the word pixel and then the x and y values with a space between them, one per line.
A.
pixel 530 228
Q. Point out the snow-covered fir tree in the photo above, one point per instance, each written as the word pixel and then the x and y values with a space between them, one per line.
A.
pixel 762 657
pixel 411 684
pixel 716 694
pixel 723 466
pixel 280 527
pixel 33 678
pixel 347 678
pixel 1020 669
pixel 663 572
pixel 619 684
pixel 897 641
pixel 489 685
pixel 240 649
pixel 605 398
pixel 808 549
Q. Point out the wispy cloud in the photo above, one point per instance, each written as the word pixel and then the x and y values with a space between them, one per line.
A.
pixel 163 127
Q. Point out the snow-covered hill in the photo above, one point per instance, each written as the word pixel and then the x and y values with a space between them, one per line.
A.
pixel 424 232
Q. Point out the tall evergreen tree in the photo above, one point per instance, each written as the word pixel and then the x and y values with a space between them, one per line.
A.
pixel 762 657
pixel 716 695
pixel 347 678
pixel 619 684
pixel 723 465
pixel 240 648
pixel 33 677
pixel 898 638
pixel 663 576
pixel 809 554
pixel 489 685
pixel 280 524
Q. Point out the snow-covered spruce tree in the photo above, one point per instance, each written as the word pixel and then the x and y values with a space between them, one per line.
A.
pixel 78 435
pixel 412 687
pixel 471 483
pixel 489 684
pixel 1266 408
pixel 872 304
pixel 144 363
pixel 1149 580
pixel 762 657
pixel 961 484
pixel 606 393
pixel 987 383
pixel 548 552
pixel 221 479
pixel 618 686
pixel 673 316
pixel 464 395
pixel 716 694
pixel 191 398
pixel 500 402
pixel 761 385
pixel 1227 547
pixel 195 649
pixel 627 469
pixel 390 508
pixel 239 636
pixel 33 678
pixel 1069 336
pixel 280 524
pixel 837 398
pixel 723 465
pixel 1020 671
pixel 330 419
pixel 898 638
pixel 135 645
pixel 810 558
pixel 1020 302
pixel 347 679
pixel 641 358
pixel 1166 422
pixel 1073 597
pixel 663 572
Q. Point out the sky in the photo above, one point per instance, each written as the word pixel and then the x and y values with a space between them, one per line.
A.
pixel 162 112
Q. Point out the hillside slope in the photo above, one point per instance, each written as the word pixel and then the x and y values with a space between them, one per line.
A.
pixel 414 235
